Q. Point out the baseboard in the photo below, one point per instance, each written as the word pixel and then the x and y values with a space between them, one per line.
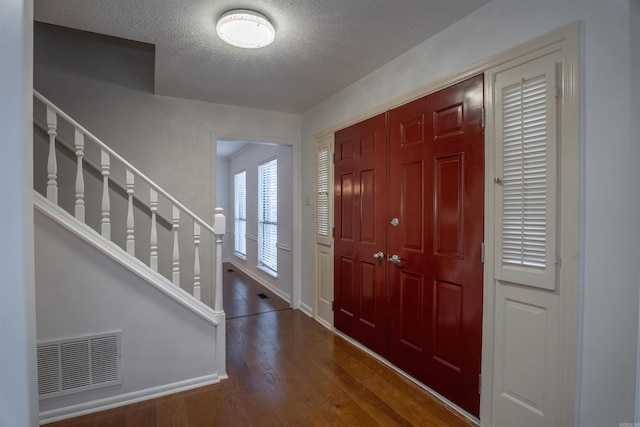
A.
pixel 324 323
pixel 384 361
pixel 261 281
pixel 306 309
pixel 125 399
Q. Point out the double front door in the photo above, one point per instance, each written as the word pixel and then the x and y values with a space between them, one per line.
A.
pixel 409 197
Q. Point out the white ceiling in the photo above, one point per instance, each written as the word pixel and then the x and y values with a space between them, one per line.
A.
pixel 321 46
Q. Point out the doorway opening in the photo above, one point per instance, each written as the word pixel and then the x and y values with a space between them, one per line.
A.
pixel 254 186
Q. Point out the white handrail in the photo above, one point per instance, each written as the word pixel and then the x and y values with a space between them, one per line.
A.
pixel 128 165
pixel 81 136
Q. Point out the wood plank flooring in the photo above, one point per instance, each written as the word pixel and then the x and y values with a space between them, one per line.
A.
pixel 240 296
pixel 285 369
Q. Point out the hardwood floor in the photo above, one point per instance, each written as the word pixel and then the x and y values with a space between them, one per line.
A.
pixel 285 369
pixel 241 295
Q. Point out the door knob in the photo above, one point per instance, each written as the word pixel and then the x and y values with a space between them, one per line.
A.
pixel 394 259
pixel 378 255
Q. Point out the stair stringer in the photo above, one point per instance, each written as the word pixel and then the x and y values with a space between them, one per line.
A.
pixel 116 253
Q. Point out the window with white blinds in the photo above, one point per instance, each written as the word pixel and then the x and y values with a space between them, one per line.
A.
pixel 323 192
pixel 240 213
pixel 268 215
pixel 526 174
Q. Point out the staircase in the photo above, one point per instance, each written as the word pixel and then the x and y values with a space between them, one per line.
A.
pixel 128 279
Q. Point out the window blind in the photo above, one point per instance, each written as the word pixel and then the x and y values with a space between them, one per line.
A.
pixel 527 149
pixel 240 212
pixel 268 215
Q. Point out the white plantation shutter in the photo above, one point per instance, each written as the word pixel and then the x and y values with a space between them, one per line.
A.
pixel 526 174
pixel 240 212
pixel 268 215
pixel 323 192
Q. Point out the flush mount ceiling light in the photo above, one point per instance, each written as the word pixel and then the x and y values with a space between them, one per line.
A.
pixel 245 28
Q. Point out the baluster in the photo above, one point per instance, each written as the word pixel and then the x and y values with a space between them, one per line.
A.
pixel 131 243
pixel 153 256
pixel 175 275
pixel 106 205
pixel 196 262
pixel 219 226
pixel 52 163
pixel 79 143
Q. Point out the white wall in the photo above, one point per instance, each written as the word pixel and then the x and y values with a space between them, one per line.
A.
pixel 18 394
pixel 164 344
pixel 106 86
pixel 248 160
pixel 610 197
pixel 224 200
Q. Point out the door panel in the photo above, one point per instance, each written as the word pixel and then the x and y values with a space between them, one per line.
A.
pixel 361 309
pixel 527 342
pixel 444 132
pixel 411 320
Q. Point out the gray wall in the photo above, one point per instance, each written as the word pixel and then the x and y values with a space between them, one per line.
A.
pixel 610 242
pixel 18 392
pixel 106 86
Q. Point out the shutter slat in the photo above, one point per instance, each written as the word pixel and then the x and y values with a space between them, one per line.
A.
pixel 525 118
pixel 323 192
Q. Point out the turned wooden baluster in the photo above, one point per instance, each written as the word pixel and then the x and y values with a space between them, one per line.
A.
pixel 175 271
pixel 52 163
pixel 196 262
pixel 153 256
pixel 131 242
pixel 79 144
pixel 105 223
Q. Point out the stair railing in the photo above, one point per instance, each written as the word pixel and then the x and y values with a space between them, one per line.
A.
pixel 107 155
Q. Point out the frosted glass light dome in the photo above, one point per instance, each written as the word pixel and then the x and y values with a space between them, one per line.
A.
pixel 245 28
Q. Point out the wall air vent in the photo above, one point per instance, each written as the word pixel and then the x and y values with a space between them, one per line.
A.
pixel 79 364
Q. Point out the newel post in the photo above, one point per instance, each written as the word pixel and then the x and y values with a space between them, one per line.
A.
pixel 219 226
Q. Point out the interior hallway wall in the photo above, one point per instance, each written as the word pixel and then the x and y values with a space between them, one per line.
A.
pixel 18 378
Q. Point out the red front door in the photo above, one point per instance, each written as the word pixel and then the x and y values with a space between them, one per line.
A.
pixel 436 184
pixel 361 302
pixel 420 198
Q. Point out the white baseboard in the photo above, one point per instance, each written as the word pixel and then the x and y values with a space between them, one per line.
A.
pixel 384 361
pixel 262 281
pixel 324 323
pixel 306 309
pixel 125 399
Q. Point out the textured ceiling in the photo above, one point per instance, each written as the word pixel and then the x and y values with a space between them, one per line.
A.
pixel 321 46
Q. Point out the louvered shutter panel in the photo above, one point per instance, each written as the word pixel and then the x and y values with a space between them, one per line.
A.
pixel 323 193
pixel 526 171
pixel 240 212
pixel 268 215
